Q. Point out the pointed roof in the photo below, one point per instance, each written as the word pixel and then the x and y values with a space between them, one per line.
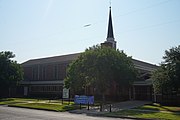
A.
pixel 110 26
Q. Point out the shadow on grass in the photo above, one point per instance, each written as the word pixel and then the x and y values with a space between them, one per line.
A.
pixel 144 115
pixel 172 109
pixel 159 107
pixel 6 99
pixel 70 107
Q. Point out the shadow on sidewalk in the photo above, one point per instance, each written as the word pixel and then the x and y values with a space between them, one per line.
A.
pixel 95 110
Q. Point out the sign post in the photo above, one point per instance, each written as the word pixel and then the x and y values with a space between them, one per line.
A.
pixel 65 94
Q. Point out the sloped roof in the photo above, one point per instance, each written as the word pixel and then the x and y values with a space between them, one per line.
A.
pixel 70 57
pixel 144 65
pixel 54 59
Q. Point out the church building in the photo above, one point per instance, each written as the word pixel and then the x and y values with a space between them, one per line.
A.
pixel 45 76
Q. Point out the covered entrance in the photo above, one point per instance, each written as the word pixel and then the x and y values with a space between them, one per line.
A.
pixel 142 90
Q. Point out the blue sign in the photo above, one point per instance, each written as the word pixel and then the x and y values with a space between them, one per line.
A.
pixel 82 99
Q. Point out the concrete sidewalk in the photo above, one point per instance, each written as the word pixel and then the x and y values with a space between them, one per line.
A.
pixel 94 110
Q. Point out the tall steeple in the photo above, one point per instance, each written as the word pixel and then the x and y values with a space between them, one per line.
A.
pixel 110 35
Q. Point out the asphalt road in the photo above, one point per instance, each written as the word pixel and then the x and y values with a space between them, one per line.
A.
pixel 12 113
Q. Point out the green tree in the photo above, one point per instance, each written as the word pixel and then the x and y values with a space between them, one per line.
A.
pixel 100 67
pixel 10 71
pixel 160 79
pixel 167 78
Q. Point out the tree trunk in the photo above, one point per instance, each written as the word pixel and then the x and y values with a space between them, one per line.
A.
pixel 103 98
pixel 9 91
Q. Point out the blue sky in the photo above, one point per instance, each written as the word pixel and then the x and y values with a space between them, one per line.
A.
pixel 144 29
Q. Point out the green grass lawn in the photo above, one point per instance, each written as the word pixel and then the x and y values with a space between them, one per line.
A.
pixel 7 101
pixel 158 107
pixel 151 111
pixel 145 114
pixel 47 106
pixel 43 104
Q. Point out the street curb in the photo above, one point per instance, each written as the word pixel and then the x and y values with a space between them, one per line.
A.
pixel 127 117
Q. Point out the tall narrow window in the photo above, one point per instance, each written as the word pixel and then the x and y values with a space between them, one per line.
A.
pixel 55 72
pixel 43 73
pixel 35 73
